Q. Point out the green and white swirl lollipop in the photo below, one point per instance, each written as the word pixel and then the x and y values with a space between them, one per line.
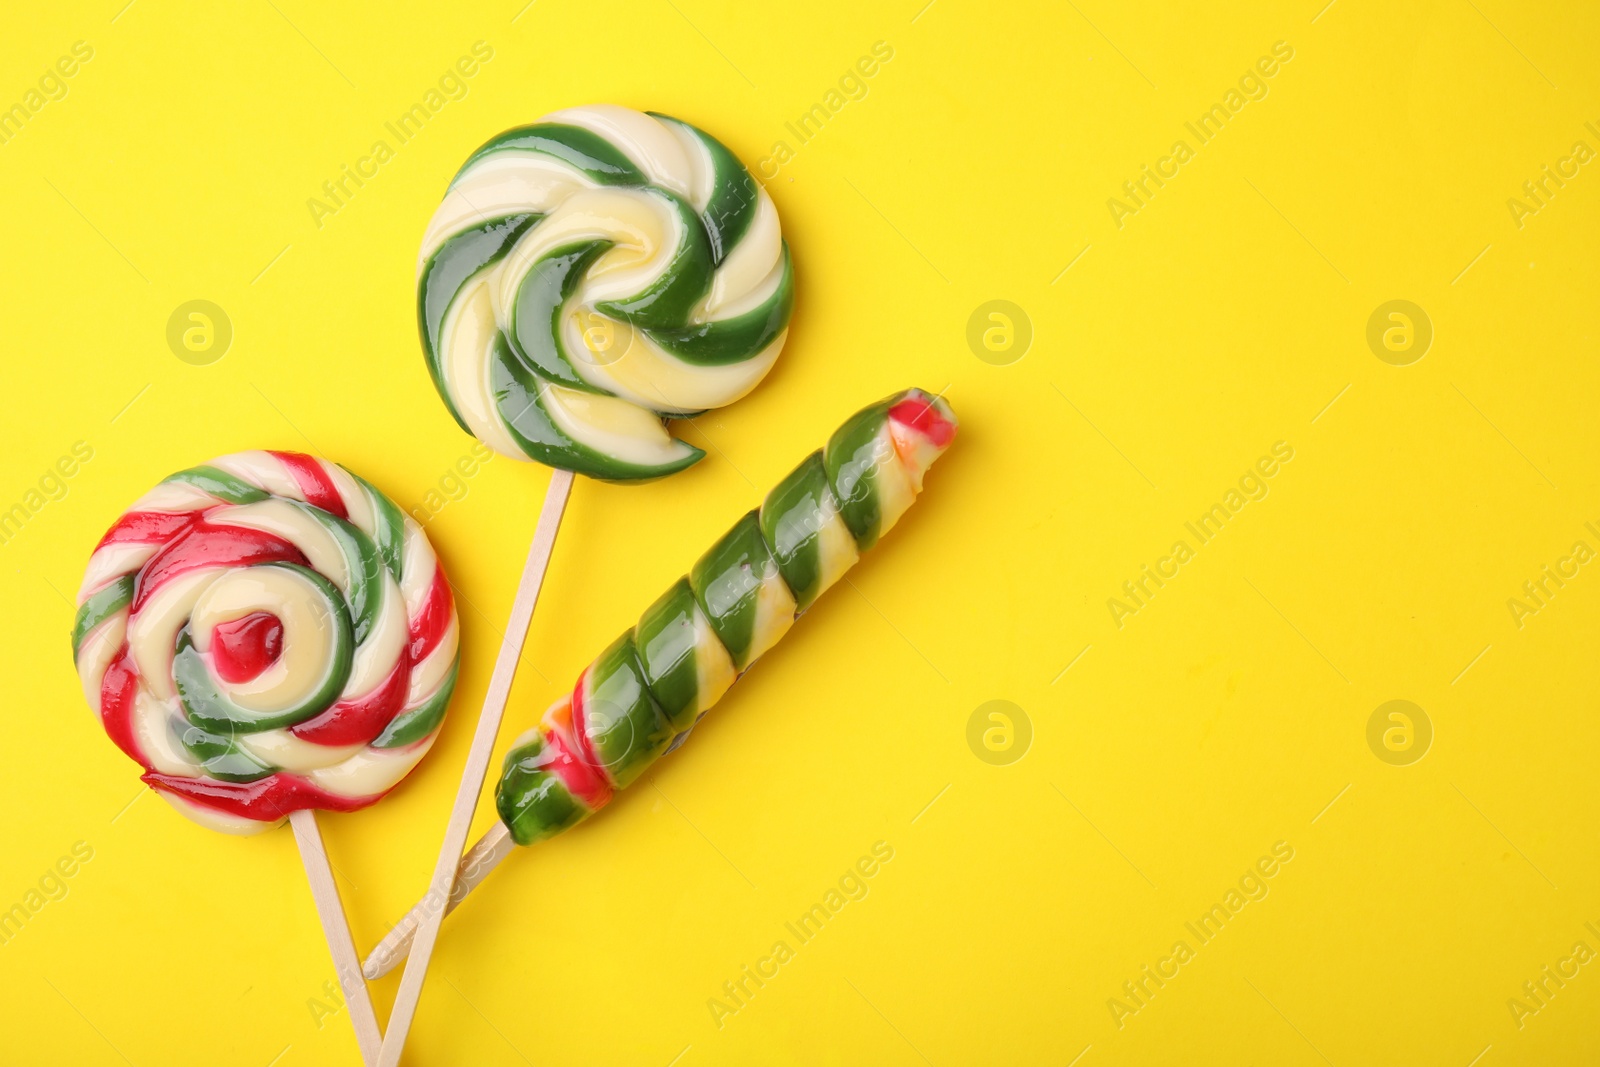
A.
pixel 595 273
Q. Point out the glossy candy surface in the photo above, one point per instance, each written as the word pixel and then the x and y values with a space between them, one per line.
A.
pixel 644 693
pixel 266 633
pixel 596 272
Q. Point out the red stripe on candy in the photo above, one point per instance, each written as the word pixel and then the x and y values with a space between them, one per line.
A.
pixel 319 490
pixel 429 627
pixel 212 546
pixel 117 691
pixel 265 800
pixel 146 527
pixel 921 414
pixel 582 779
pixel 358 721
pixel 580 728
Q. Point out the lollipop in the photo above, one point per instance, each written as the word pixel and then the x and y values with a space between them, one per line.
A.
pixel 640 697
pixel 596 272
pixel 268 636
pixel 584 279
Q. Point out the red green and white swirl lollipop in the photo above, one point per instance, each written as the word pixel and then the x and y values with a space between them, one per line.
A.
pixel 268 635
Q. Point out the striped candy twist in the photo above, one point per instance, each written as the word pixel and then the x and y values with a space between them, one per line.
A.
pixel 594 273
pixel 644 693
pixel 267 633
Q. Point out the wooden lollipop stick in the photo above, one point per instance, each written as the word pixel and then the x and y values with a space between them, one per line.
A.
pixel 337 930
pixel 481 858
pixel 477 766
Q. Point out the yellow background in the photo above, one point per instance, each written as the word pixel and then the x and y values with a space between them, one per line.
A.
pixel 1223 717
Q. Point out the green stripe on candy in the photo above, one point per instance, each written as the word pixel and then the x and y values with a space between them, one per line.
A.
pixel 726 581
pixel 851 459
pixel 516 392
pixel 535 332
pixel 455 263
pixel 597 158
pixel 534 803
pixel 626 729
pixel 736 339
pixel 734 194
pixel 791 523
pixel 412 726
pixel 363 563
pixel 665 642
pixel 218 755
pixel 205 705
pixel 103 604
pixel 218 483
pixel 389 528
pixel 667 302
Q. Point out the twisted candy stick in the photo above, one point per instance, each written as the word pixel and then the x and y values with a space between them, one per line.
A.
pixel 585 278
pixel 592 273
pixel 267 635
pixel 640 698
